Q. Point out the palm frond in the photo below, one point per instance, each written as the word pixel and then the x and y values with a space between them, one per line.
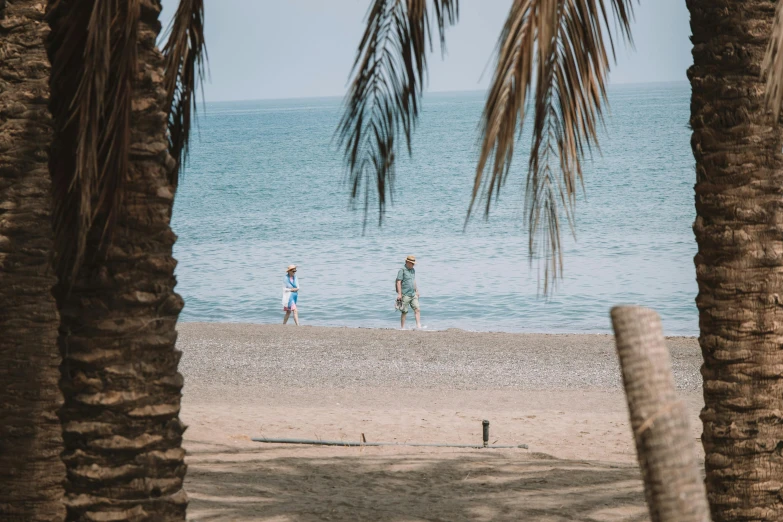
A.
pixel 93 51
pixel 772 65
pixel 553 53
pixel 185 54
pixel 385 94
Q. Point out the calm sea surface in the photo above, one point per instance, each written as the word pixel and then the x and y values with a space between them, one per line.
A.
pixel 264 189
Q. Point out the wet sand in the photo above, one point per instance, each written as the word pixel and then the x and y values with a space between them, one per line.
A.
pixel 559 394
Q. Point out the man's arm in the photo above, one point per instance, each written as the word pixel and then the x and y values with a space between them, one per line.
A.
pixel 399 289
pixel 416 288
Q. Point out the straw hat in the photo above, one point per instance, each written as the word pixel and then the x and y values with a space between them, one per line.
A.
pixel 411 260
pixel 290 267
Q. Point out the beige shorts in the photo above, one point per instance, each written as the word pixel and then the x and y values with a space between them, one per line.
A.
pixel 409 300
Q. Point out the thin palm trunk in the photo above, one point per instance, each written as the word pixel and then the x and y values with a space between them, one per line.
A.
pixel 659 420
pixel 31 472
pixel 119 374
pixel 739 230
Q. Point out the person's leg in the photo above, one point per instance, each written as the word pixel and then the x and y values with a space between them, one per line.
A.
pixel 287 315
pixel 415 306
pixel 296 316
pixel 406 301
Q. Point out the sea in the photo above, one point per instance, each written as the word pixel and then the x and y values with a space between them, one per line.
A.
pixel 265 187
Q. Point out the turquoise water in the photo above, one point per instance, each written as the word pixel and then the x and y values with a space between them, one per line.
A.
pixel 264 188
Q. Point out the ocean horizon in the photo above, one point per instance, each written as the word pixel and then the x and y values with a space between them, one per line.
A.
pixel 481 92
pixel 264 188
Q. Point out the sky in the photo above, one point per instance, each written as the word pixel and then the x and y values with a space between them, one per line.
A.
pixel 261 49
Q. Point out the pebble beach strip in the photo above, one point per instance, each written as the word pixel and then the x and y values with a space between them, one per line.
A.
pixel 231 354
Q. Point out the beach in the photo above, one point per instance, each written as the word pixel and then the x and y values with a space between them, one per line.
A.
pixel 559 394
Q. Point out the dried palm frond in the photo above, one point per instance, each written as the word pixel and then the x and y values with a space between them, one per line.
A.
pixel 558 46
pixel 385 94
pixel 772 66
pixel 93 51
pixel 185 53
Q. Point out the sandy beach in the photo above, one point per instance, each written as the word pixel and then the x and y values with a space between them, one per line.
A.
pixel 559 394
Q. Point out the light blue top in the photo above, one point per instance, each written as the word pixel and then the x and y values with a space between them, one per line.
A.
pixel 289 283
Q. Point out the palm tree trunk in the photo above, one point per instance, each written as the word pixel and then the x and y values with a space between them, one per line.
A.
pixel 31 472
pixel 659 420
pixel 739 265
pixel 120 381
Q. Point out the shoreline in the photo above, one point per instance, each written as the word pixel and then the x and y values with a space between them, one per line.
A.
pixel 423 330
pixel 317 356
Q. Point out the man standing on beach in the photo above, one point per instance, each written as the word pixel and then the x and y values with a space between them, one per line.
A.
pixel 407 291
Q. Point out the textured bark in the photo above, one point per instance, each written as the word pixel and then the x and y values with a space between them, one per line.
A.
pixel 659 420
pixel 120 382
pixel 31 473
pixel 739 265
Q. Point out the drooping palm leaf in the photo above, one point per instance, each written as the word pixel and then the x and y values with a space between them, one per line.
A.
pixel 185 54
pixel 772 65
pixel 385 95
pixel 93 51
pixel 553 53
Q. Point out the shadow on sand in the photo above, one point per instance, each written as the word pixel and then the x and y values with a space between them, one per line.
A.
pixel 275 484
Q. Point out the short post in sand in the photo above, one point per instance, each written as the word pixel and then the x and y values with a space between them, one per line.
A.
pixel 664 445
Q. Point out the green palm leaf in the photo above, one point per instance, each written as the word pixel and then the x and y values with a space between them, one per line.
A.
pixel 552 53
pixel 185 54
pixel 385 95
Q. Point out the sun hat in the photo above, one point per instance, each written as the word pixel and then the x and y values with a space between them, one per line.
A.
pixel 410 259
pixel 290 267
